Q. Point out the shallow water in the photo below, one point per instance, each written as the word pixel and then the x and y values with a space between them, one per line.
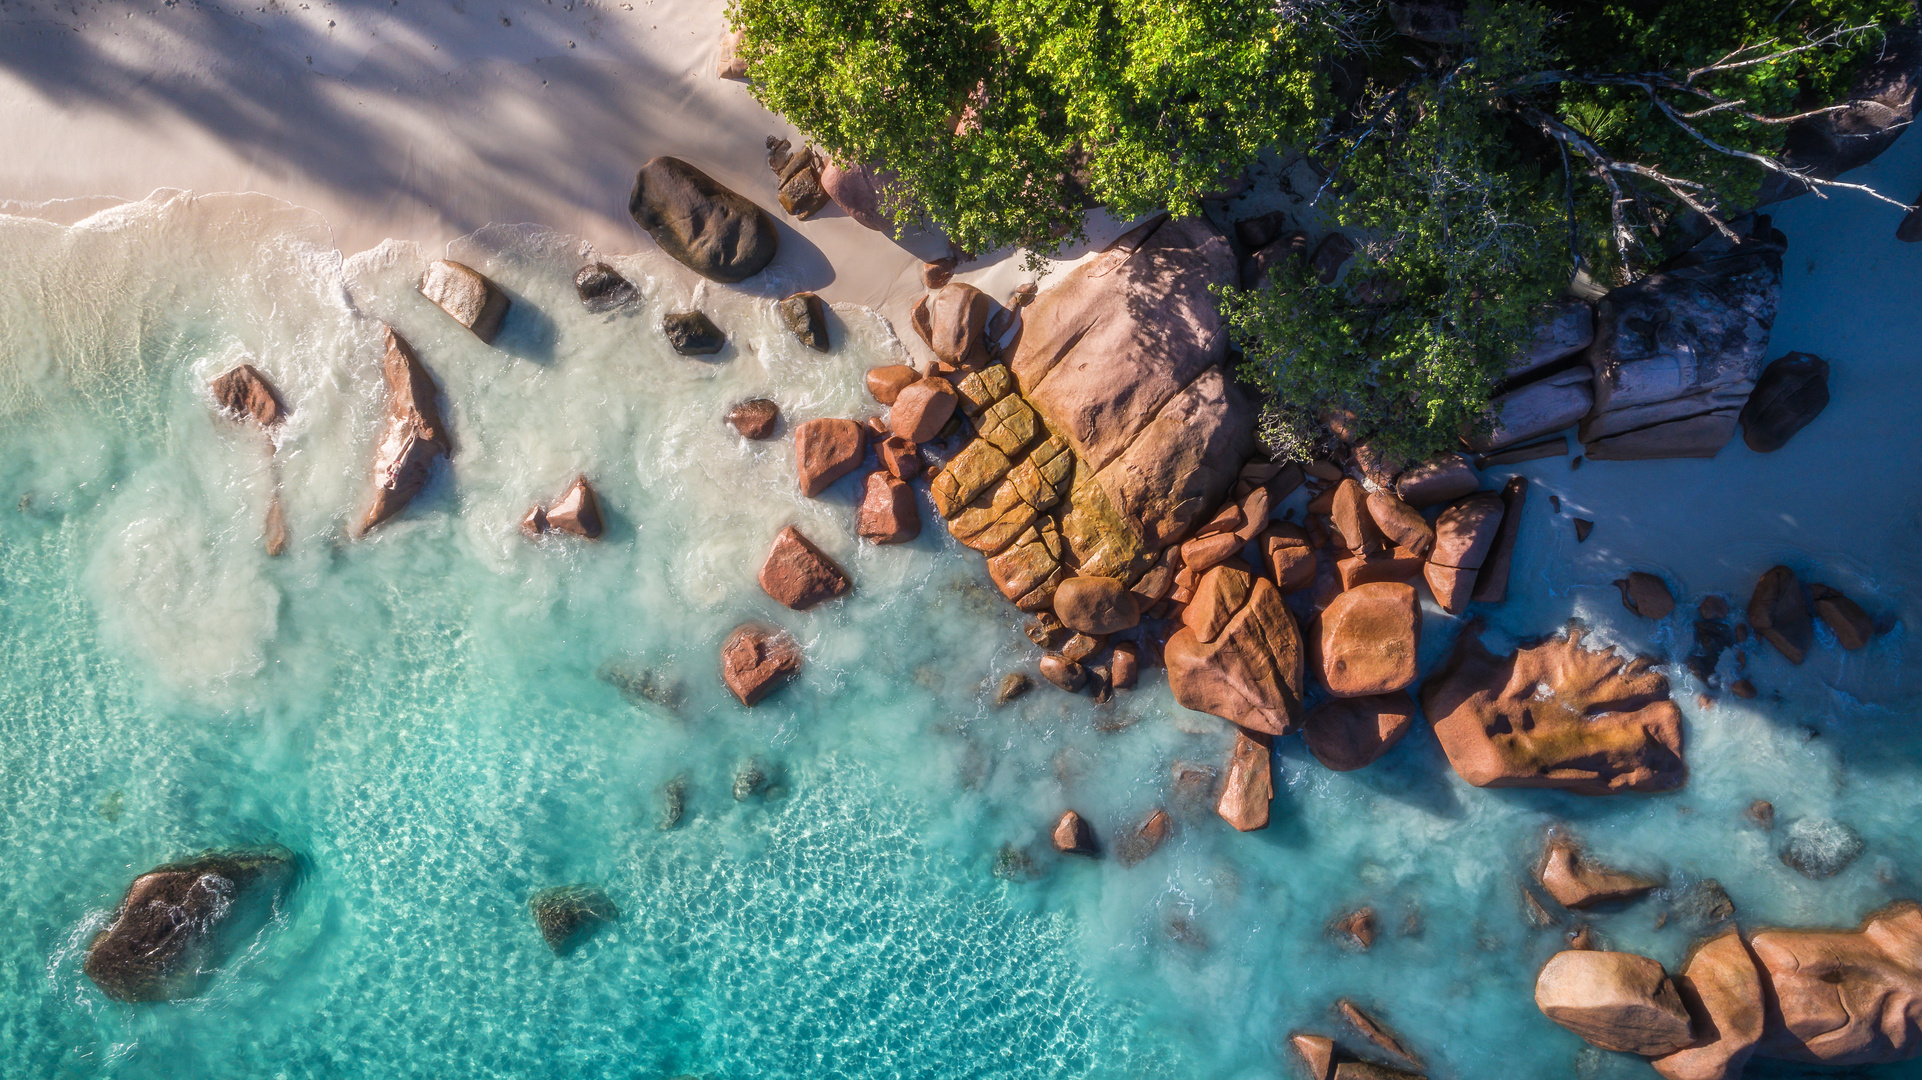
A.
pixel 430 716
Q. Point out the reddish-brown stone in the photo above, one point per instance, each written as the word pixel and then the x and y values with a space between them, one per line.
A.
pixel 799 574
pixel 754 419
pixel 1721 986
pixel 757 659
pixel 1248 785
pixel 888 512
pixel 1249 672
pixel 922 408
pixel 1072 836
pixel 1286 554
pixel 246 393
pixel 1777 612
pixel 1124 665
pixel 1617 1001
pixel 577 512
pixel 886 383
pixel 414 435
pixel 1845 998
pixel 1136 844
pixel 1367 641
pixel 1096 605
pixel 899 457
pixel 1346 734
pixel 825 451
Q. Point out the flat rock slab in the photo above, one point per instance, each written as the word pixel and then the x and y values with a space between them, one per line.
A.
pixel 799 574
pixel 1617 1001
pixel 757 659
pixel 706 227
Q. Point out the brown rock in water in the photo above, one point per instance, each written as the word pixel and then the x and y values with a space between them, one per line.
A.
pixel 1852 626
pixel 1063 672
pixel 1777 613
pixel 1583 527
pixel 534 522
pixel 1375 1031
pixel 1136 844
pixel 1316 1054
pixel 1249 784
pixel 567 916
pixel 577 512
pixel 177 923
pixel 602 288
pixel 709 229
pixel 1646 595
pixel 1791 393
pixel 1721 986
pixel 1368 1070
pixel 1367 641
pixel 899 457
pixel 1124 665
pixel 1072 836
pixel 1358 926
pixel 245 393
pixel 756 659
pixel 1762 813
pixel 825 451
pixel 954 322
pixel 888 513
pixel 799 574
pixel 1402 524
pixel 1354 521
pixel 1844 998
pixel 1096 605
pixel 692 333
pixel 1287 556
pixel 754 419
pixel 1491 581
pixel 1617 1001
pixel 1576 882
pixel 1249 669
pixel 1556 715
pixel 885 383
pixel 467 295
pixel 1438 480
pixel 1346 734
pixel 1012 685
pixel 413 438
pixel 1045 630
pixel 807 316
pixel 274 531
pixel 922 408
pixel 1081 646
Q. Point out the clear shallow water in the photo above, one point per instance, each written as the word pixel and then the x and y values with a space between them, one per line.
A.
pixel 422 716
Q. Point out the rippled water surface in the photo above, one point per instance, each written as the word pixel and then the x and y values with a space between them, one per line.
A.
pixel 433 717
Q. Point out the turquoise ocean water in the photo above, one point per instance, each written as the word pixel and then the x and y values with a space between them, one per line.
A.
pixel 430 717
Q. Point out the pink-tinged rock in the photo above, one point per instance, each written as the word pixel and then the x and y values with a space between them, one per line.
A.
pixel 1250 671
pixel 1401 524
pixel 757 659
pixel 1203 553
pixel 1124 666
pixel 1437 481
pixel 1249 783
pixel 1184 462
pixel 1096 605
pixel 886 383
pixel 1556 715
pixel 888 513
pixel 1491 580
pixel 245 393
pixel 1391 565
pixel 754 419
pixel 1466 531
pixel 1346 734
pixel 729 63
pixel 1072 836
pixel 899 457
pixel 1617 1001
pixel 1353 521
pixel 1721 986
pixel 413 437
pixel 1316 1054
pixel 825 451
pixel 534 522
pixel 1367 641
pixel 922 408
pixel 577 512
pixel 799 574
pixel 1577 882
pixel 1287 556
pixel 1136 844
pixel 856 189
pixel 953 320
pixel 467 295
pixel 1845 998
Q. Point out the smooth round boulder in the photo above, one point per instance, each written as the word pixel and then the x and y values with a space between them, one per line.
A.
pixel 1063 672
pixel 467 295
pixel 1617 1001
pixel 953 320
pixel 1072 836
pixel 826 450
pixel 886 382
pixel 1096 605
pixel 1820 847
pixel 1791 392
pixel 807 317
pixel 756 659
pixel 1368 640
pixel 754 419
pixel 602 288
pixel 922 408
pixel 692 333
pixel 1721 986
pixel 711 230
pixel 1346 734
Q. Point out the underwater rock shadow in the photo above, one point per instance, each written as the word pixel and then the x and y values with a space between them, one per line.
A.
pixel 1414 771
pixel 528 332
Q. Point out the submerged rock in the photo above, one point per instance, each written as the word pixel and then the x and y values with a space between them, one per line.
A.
pixel 673 803
pixel 465 293
pixel 1136 844
pixel 1012 685
pixel 1778 614
pixel 757 659
pixel 1346 734
pixel 1791 393
pixel 1556 715
pixel 1820 847
pixel 179 922
pixel 708 228
pixel 754 419
pixel 1845 998
pixel 1851 625
pixel 245 393
pixel 692 333
pixel 1376 1032
pixel 414 436
pixel 602 288
pixel 568 915
pixel 799 574
pixel 1617 1001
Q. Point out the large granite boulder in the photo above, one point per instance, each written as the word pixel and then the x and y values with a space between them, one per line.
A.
pixel 245 394
pixel 465 293
pixel 856 189
pixel 1249 784
pixel 953 320
pixel 177 923
pixel 1238 654
pixel 570 914
pixel 1677 352
pixel 414 435
pixel 1367 641
pixel 1792 391
pixel 1465 533
pixel 1617 1001
pixel 1576 881
pixel 1879 107
pixel 757 659
pixel 1556 715
pixel 1845 998
pixel 1721 986
pixel 1541 392
pixel 711 230
pixel 825 450
pixel 888 513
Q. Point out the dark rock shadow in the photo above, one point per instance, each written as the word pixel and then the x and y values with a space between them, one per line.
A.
pixel 527 332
